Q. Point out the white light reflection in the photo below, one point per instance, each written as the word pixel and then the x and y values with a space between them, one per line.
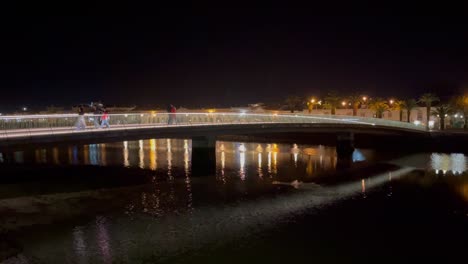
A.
pixel 269 163
pixel 103 240
pixel 458 163
pixel 260 173
pixel 188 184
pixel 242 148
pixel 79 245
pixel 242 165
pixel 295 151
pixel 186 158
pixel 223 164
pixel 125 154
pixel 455 163
pixel 169 160
pixel 141 154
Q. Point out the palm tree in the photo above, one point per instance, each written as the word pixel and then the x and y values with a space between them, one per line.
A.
pixel 441 112
pixel 355 101
pixel 461 104
pixel 294 103
pixel 427 99
pixel 399 106
pixel 332 101
pixel 409 105
pixel 379 106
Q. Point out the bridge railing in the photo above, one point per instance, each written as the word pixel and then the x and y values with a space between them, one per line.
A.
pixel 30 125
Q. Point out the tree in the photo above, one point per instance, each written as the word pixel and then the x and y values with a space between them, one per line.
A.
pixel 409 105
pixel 379 106
pixel 461 104
pixel 399 106
pixel 442 112
pixel 294 103
pixel 355 101
pixel 332 101
pixel 427 99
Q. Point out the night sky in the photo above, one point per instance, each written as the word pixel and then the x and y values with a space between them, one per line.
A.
pixel 225 57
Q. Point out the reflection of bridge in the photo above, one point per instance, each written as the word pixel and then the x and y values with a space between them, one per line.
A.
pixel 201 127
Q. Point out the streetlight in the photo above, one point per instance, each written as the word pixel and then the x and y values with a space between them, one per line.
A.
pixel 343 103
pixel 312 102
pixel 25 109
pixel 391 101
pixel 364 98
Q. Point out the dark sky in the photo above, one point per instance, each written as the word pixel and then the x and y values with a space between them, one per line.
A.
pixel 224 57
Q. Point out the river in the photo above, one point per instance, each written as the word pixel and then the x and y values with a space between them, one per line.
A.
pixel 136 202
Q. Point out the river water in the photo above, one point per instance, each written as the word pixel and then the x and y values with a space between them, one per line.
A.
pixel 136 202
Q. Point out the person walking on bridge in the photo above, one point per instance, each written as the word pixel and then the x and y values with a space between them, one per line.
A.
pixel 169 116
pixel 80 122
pixel 105 119
pixel 97 116
pixel 173 114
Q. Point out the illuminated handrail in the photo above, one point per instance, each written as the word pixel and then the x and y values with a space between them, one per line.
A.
pixel 31 125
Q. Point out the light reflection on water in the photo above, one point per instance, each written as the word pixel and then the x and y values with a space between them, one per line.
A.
pixel 454 163
pixel 163 217
pixel 173 156
pixel 149 229
pixel 247 159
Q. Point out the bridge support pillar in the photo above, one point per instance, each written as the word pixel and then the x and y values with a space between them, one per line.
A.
pixel 344 145
pixel 203 156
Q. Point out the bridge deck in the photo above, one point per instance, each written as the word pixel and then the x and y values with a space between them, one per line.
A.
pixel 49 128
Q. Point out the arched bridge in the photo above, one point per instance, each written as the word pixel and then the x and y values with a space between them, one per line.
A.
pixel 28 129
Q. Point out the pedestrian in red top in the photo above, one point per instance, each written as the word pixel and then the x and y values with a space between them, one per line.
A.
pixel 173 115
pixel 105 119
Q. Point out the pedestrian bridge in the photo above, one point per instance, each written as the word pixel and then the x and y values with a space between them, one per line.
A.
pixel 28 129
pixel 202 128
